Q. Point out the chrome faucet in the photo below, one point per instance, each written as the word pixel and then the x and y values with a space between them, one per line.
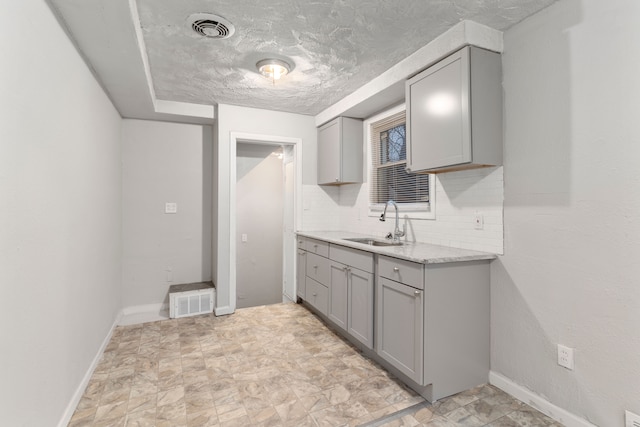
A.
pixel 396 231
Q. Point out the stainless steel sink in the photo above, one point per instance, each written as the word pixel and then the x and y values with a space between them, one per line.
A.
pixel 373 242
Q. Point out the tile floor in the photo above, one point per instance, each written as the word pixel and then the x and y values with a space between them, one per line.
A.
pixel 274 365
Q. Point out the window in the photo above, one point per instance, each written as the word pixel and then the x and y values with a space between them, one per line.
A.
pixel 389 179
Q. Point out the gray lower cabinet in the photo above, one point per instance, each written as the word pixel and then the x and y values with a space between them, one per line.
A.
pixel 317 295
pixel 338 294
pixel 318 268
pixel 351 292
pixel 429 322
pixel 351 301
pixel 301 272
pixel 433 323
pixel 399 338
pixel 360 301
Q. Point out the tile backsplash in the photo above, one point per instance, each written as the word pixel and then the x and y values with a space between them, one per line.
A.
pixel 459 195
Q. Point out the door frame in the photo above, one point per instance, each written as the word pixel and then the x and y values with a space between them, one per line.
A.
pixel 253 138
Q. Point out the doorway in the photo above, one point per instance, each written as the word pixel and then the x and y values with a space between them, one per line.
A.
pixel 264 214
pixel 259 224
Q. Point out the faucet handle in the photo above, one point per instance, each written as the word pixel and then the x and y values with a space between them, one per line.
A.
pixel 389 235
pixel 382 217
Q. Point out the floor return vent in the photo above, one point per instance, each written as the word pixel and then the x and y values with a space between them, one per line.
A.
pixel 191 299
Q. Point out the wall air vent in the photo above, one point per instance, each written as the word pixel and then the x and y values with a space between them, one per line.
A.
pixel 212 26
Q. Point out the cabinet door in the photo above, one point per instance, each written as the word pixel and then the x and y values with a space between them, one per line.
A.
pixel 338 294
pixel 301 268
pixel 329 153
pixel 360 311
pixel 438 119
pixel 399 338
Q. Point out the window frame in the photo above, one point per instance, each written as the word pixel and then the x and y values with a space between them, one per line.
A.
pixel 410 210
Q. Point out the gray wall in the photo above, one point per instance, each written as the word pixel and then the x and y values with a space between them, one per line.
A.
pixel 60 237
pixel 572 200
pixel 259 215
pixel 164 162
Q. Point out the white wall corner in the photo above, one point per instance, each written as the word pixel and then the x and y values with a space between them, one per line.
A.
pixel 77 395
pixel 536 401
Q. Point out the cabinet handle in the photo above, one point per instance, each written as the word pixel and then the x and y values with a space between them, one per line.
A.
pixel 315 266
pixel 315 246
pixel 416 293
pixel 314 294
pixel 396 269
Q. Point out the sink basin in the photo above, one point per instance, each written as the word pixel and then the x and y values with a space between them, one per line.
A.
pixel 373 242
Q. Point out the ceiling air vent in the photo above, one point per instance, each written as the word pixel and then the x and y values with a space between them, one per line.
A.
pixel 212 26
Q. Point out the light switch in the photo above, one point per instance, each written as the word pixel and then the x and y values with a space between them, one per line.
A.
pixel 244 238
pixel 170 208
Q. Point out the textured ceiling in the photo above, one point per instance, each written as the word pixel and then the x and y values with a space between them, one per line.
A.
pixel 335 46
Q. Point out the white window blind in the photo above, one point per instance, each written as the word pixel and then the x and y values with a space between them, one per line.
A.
pixel 389 179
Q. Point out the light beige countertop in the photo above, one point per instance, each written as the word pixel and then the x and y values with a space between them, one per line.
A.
pixel 424 253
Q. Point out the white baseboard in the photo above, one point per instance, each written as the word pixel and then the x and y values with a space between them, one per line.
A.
pixel 71 407
pixel 538 402
pixel 144 313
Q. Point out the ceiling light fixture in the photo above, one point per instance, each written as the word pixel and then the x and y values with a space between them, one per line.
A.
pixel 273 69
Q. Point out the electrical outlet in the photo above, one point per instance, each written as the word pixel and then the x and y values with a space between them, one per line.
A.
pixel 631 419
pixel 169 271
pixel 565 357
pixel 478 221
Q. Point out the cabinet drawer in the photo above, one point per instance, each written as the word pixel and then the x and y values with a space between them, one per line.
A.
pixel 403 271
pixel 361 260
pixel 317 247
pixel 301 242
pixel 317 295
pixel 318 268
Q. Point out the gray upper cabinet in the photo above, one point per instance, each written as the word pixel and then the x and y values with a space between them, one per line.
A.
pixel 454 113
pixel 340 152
